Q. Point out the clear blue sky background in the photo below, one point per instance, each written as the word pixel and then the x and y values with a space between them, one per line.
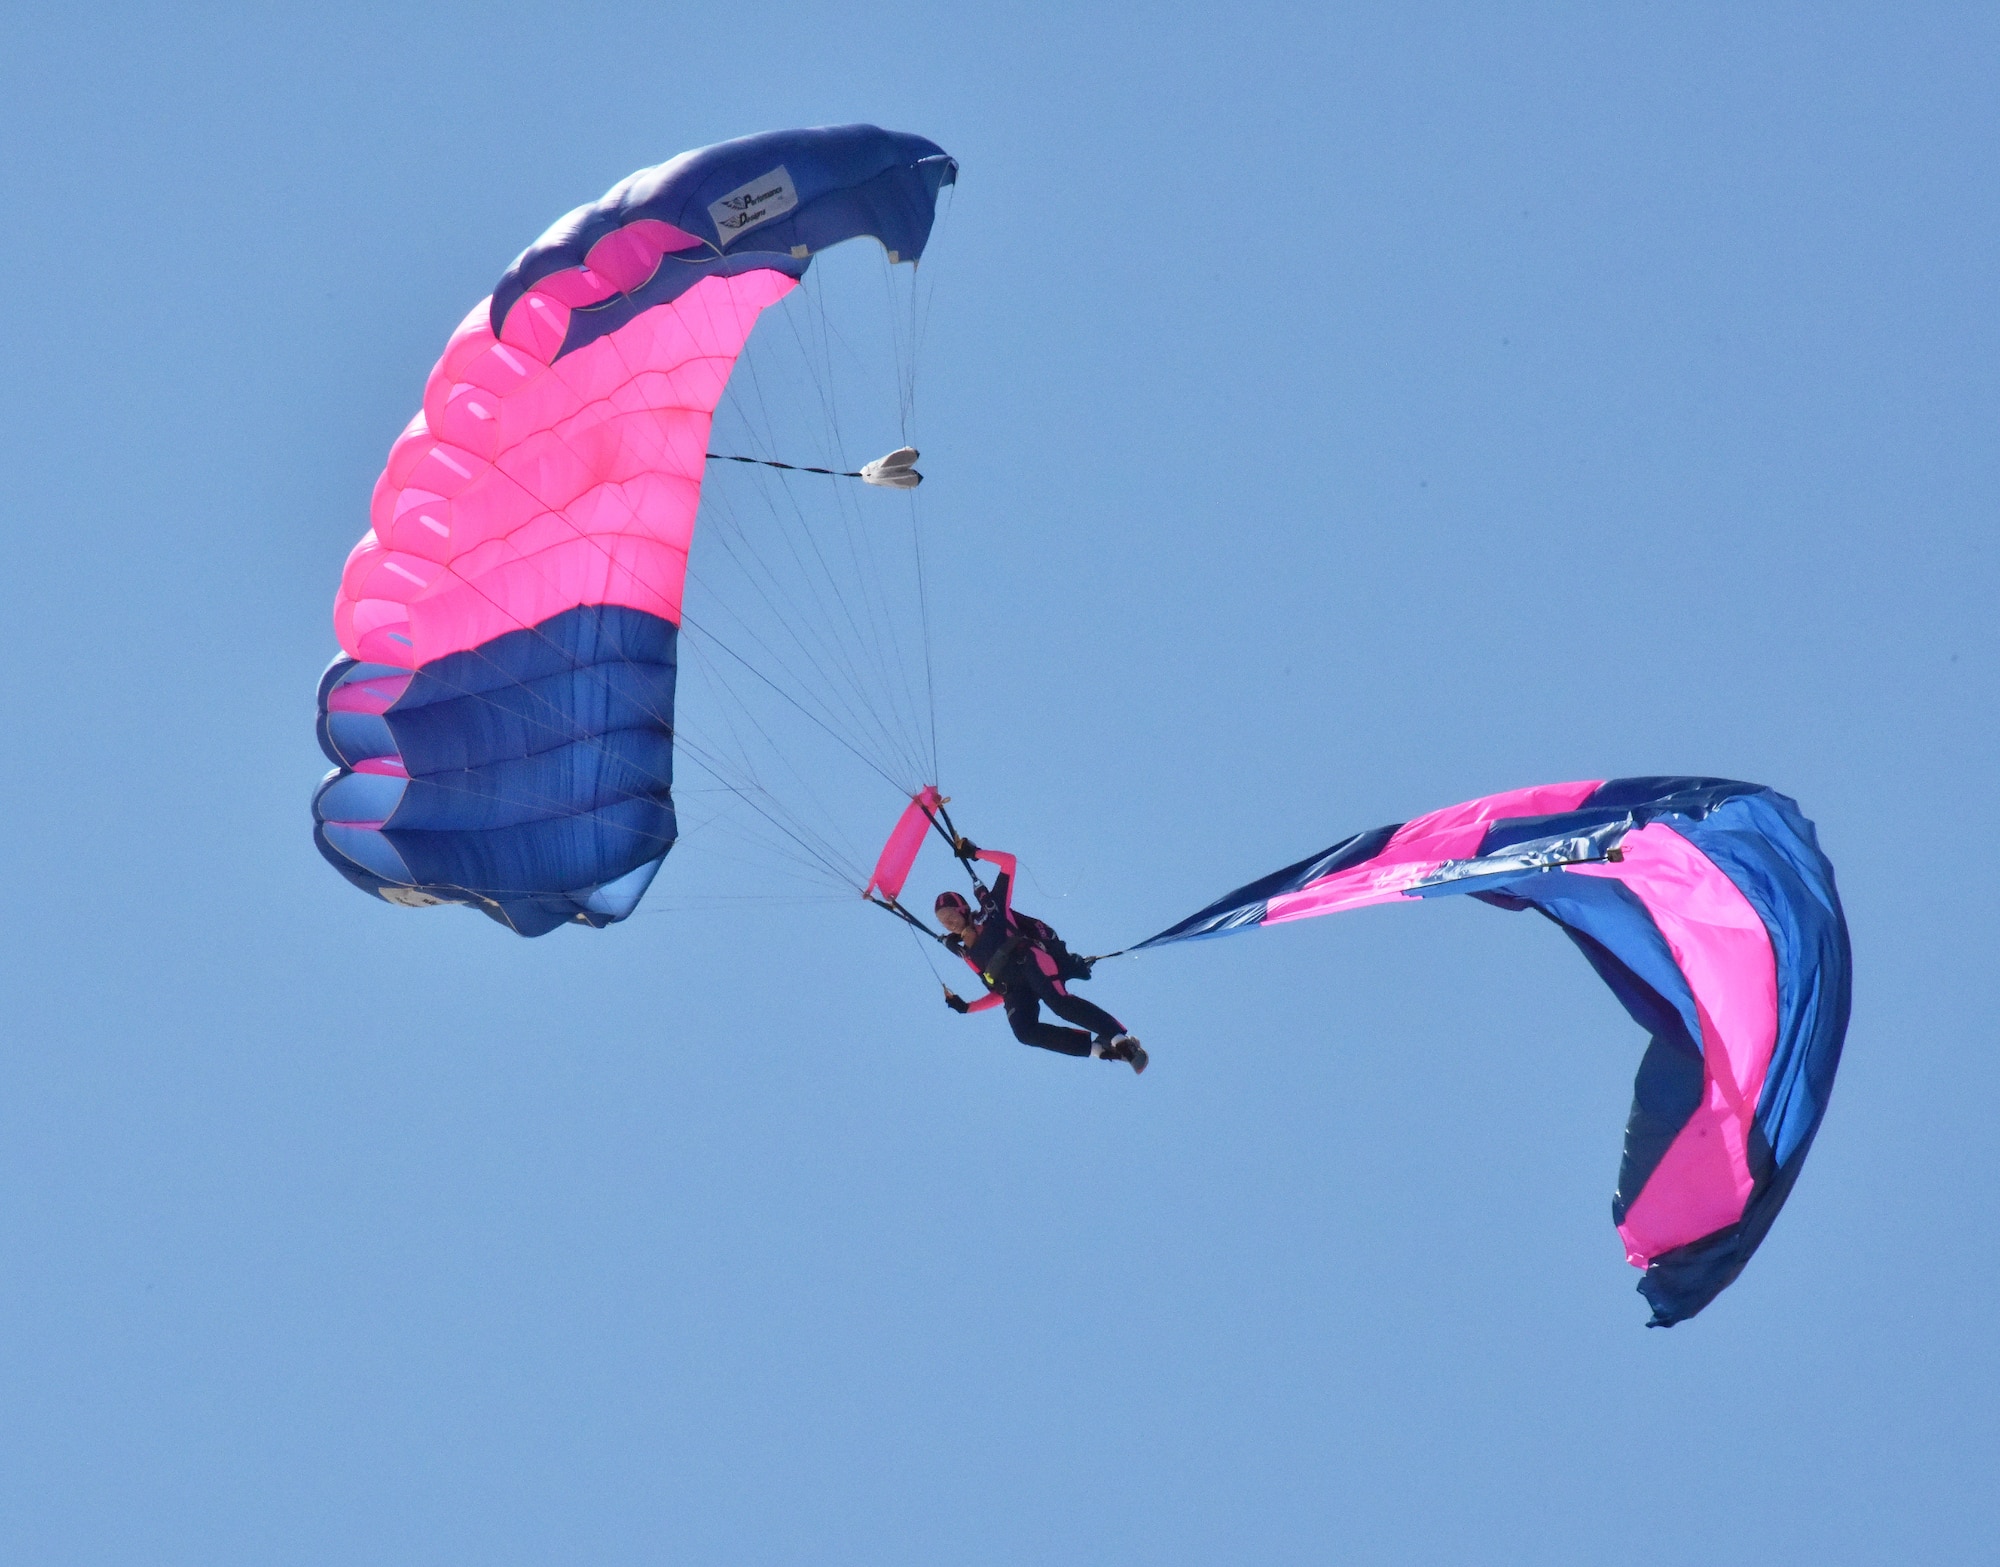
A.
pixel 1357 409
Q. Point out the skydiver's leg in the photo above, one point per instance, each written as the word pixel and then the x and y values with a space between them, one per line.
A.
pixel 1024 1014
pixel 1114 1042
pixel 1074 1009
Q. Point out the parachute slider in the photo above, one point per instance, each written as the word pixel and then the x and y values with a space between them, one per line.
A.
pixel 897 471
pixel 892 472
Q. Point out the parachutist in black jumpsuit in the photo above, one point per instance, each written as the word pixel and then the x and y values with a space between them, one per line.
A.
pixel 1011 955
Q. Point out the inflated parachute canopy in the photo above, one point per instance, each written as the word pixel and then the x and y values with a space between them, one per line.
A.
pixel 1709 910
pixel 501 717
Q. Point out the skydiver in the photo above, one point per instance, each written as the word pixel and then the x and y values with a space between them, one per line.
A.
pixel 1023 963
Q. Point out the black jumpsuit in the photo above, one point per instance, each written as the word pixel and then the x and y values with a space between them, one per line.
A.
pixel 1025 977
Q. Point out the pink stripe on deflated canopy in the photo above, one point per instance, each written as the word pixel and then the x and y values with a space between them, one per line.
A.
pixel 1420 847
pixel 531 485
pixel 1703 1181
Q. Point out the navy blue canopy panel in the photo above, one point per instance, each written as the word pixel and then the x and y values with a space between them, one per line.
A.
pixel 1708 909
pixel 770 201
pixel 531 777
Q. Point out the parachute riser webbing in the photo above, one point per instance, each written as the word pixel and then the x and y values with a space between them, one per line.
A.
pixel 903 914
pixel 948 829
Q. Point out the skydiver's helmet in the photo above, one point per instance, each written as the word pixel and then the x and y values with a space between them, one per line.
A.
pixel 952 900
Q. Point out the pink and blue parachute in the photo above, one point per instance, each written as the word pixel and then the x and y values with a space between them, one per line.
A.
pixel 1710 911
pixel 501 718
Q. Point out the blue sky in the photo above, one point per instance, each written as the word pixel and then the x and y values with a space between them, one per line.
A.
pixel 1330 413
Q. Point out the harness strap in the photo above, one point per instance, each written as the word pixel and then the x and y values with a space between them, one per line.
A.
pixel 1009 950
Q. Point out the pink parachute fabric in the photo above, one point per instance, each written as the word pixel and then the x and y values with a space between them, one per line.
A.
pixel 529 485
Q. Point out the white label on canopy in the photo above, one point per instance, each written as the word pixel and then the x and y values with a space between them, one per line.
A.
pixel 770 196
pixel 412 898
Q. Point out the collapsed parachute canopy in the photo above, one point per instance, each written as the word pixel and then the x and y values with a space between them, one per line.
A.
pixel 501 719
pixel 1709 910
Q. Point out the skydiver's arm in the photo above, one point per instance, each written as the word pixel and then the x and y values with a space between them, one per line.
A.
pixel 1003 884
pixel 992 998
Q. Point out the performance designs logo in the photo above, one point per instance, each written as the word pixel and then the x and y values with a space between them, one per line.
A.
pixel 767 197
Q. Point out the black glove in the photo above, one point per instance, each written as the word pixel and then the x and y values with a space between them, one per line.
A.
pixel 956 1003
pixel 965 849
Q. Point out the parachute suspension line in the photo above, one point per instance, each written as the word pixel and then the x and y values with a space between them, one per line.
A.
pixel 806 702
pixel 858 542
pixel 919 298
pixel 737 540
pixel 949 831
pixel 824 652
pixel 814 853
pixel 855 751
pixel 823 378
pixel 924 621
pixel 741 781
pixel 847 653
pixel 847 659
pixel 896 908
pixel 901 307
pixel 792 620
pixel 753 792
pixel 787 819
pixel 925 953
pixel 905 342
pixel 830 653
pixel 923 290
pixel 910 318
pixel 917 929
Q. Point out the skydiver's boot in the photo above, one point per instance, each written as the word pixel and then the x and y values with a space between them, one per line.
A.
pixel 1124 1048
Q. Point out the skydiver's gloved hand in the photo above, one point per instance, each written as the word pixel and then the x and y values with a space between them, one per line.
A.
pixel 956 1003
pixel 965 848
